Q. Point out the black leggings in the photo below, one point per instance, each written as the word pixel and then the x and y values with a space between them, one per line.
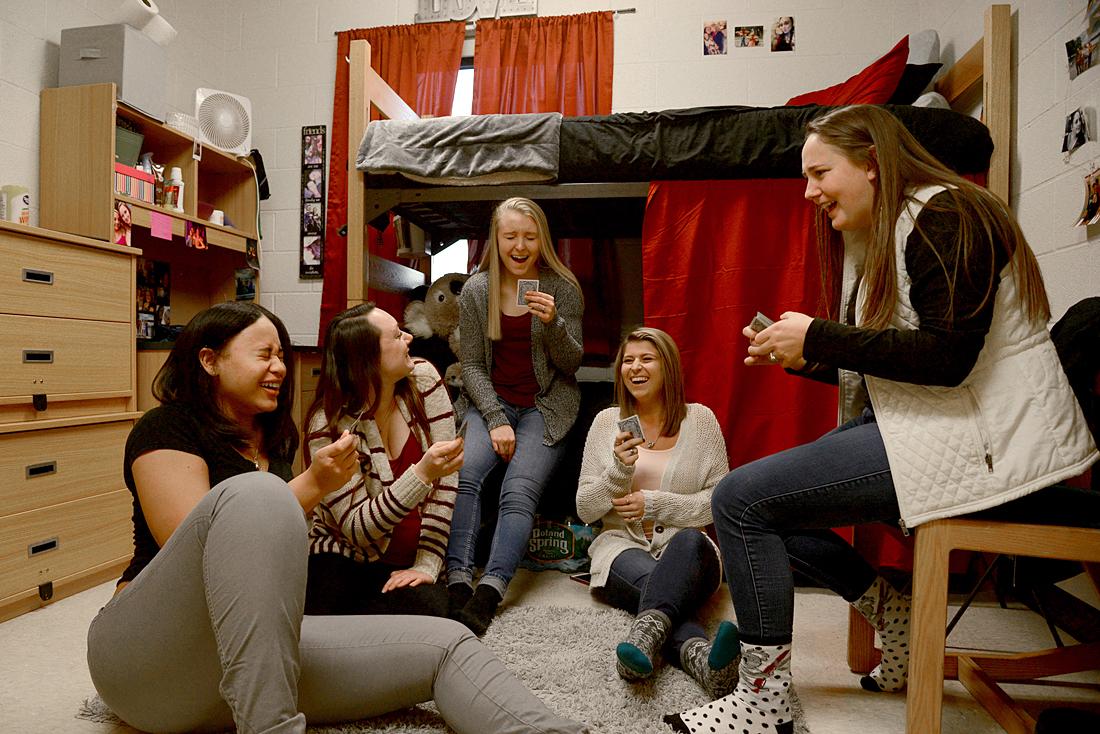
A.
pixel 339 585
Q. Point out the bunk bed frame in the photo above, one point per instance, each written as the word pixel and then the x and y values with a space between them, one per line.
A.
pixel 987 65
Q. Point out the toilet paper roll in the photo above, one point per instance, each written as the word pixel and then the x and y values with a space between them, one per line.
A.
pixel 136 13
pixel 160 30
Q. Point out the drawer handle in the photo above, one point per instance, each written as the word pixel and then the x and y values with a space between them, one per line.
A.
pixel 315 372
pixel 45 277
pixel 37 356
pixel 42 546
pixel 41 470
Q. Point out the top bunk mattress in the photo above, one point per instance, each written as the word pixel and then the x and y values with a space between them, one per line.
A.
pixel 705 143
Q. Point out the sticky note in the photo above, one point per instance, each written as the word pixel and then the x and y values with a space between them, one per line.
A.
pixel 160 225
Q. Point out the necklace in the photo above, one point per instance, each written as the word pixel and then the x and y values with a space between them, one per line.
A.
pixel 256 459
pixel 653 443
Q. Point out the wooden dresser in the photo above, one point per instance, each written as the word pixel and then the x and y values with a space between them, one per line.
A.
pixel 67 403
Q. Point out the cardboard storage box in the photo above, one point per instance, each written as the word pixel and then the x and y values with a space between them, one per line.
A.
pixel 121 54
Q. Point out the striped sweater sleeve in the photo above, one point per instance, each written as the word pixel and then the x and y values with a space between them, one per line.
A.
pixel 438 507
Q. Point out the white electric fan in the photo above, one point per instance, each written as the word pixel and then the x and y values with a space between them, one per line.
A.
pixel 225 120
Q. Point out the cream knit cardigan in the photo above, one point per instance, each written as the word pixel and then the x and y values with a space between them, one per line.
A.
pixel 697 462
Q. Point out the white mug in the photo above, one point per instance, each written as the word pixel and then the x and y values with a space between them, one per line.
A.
pixel 217 217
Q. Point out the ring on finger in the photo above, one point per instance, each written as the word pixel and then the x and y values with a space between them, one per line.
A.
pixel 772 358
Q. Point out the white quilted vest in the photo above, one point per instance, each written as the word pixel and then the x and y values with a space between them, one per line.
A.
pixel 1012 427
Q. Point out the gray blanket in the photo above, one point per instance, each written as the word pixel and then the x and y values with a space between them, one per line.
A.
pixel 480 149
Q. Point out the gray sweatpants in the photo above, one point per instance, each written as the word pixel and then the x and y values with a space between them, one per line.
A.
pixel 211 635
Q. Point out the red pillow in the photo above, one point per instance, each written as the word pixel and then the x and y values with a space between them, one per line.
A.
pixel 873 85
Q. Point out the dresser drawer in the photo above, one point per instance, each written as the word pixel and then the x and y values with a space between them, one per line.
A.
pixel 49 467
pixel 43 278
pixel 52 543
pixel 65 359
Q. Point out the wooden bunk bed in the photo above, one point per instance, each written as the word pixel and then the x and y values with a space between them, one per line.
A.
pixel 448 213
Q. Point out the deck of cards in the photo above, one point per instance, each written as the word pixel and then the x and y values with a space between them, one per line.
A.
pixel 760 322
pixel 460 432
pixel 521 290
pixel 632 425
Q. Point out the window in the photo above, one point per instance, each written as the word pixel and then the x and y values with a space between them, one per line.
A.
pixel 454 258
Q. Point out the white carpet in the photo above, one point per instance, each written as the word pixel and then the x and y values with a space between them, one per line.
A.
pixel 566 656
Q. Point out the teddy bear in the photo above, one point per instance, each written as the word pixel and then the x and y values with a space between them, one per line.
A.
pixel 433 322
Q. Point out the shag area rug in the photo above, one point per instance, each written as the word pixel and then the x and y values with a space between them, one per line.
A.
pixel 566 655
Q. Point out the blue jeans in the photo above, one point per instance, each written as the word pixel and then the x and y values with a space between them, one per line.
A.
pixel 527 475
pixel 678 584
pixel 776 512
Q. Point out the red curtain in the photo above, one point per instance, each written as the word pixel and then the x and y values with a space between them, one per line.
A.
pixel 419 62
pixel 713 254
pixel 557 64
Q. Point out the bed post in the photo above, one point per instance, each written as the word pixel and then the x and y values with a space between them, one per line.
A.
pixel 997 95
pixel 358 111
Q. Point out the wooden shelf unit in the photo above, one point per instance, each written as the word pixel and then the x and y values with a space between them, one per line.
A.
pixel 76 180
pixel 76 170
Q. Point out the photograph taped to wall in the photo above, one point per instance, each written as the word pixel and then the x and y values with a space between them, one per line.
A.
pixel 1081 54
pixel 312 229
pixel 714 37
pixel 1090 210
pixel 783 33
pixel 194 234
pixel 1077 131
pixel 748 36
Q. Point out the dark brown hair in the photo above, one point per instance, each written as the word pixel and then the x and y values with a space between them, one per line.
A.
pixel 672 394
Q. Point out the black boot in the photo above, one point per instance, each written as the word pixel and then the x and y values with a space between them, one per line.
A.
pixel 458 595
pixel 479 611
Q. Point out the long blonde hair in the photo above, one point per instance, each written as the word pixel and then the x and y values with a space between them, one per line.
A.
pixel 870 135
pixel 490 259
pixel 672 394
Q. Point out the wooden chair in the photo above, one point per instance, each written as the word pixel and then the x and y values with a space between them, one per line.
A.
pixel 980 672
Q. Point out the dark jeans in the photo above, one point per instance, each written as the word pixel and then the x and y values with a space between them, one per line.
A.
pixel 776 512
pixel 677 584
pixel 338 585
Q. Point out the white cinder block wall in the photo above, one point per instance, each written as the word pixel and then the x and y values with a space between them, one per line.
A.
pixel 1047 191
pixel 30 38
pixel 280 53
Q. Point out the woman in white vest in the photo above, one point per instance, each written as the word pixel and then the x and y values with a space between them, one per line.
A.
pixel 952 398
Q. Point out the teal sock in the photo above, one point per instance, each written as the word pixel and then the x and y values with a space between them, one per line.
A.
pixel 726 646
pixel 633 658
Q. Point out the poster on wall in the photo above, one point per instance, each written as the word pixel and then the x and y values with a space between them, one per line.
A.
pixel 312 236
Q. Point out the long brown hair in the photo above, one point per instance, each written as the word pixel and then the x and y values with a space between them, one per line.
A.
pixel 351 375
pixel 870 135
pixel 672 394
pixel 490 259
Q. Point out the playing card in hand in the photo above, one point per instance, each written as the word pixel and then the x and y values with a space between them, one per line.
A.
pixel 632 425
pixel 521 289
pixel 760 322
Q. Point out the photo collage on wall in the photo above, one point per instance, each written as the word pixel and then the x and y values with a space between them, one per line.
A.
pixel 311 257
pixel 154 303
pixel 777 36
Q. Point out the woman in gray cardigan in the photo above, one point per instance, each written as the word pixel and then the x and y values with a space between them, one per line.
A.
pixel 520 320
pixel 653 494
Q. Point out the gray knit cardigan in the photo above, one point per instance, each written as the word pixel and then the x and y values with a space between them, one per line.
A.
pixel 556 351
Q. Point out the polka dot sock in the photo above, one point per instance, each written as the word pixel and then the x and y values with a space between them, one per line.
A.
pixel 888 611
pixel 759 704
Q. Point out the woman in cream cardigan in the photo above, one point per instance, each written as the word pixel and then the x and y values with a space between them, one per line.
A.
pixel 653 494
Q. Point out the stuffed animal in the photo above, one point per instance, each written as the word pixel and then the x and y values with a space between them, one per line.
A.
pixel 433 322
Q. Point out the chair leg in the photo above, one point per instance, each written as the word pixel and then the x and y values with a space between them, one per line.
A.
pixel 924 702
pixel 863 656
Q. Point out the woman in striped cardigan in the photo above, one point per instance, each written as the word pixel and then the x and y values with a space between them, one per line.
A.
pixel 377 544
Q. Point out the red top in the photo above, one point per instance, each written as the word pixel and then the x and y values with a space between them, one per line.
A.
pixel 513 370
pixel 405 536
